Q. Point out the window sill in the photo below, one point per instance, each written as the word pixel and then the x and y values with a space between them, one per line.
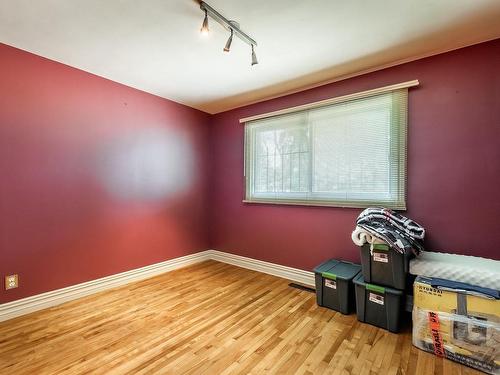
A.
pixel 325 204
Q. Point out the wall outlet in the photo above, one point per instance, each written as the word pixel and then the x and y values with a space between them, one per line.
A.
pixel 11 282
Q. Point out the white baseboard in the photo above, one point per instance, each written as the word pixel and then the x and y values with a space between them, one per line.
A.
pixel 293 274
pixel 41 301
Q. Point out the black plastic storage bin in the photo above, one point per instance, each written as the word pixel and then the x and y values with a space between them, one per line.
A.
pixel 385 266
pixel 378 305
pixel 334 288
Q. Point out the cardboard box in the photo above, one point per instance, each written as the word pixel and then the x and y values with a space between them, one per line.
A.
pixel 458 321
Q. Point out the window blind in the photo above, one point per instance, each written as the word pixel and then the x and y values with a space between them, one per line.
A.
pixel 350 154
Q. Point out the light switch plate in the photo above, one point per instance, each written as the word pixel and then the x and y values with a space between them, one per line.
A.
pixel 11 282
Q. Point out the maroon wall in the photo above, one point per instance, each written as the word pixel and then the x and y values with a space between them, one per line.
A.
pixel 453 167
pixel 66 214
pixel 82 194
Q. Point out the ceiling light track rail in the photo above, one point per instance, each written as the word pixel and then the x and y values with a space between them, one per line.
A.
pixel 230 25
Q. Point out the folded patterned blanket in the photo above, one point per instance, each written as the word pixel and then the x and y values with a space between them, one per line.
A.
pixel 400 233
pixel 410 227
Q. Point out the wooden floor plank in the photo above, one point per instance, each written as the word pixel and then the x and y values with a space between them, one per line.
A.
pixel 208 318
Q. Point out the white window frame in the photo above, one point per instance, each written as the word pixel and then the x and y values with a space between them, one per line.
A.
pixel 327 199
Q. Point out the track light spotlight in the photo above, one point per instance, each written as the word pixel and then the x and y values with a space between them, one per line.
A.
pixel 204 27
pixel 228 43
pixel 254 57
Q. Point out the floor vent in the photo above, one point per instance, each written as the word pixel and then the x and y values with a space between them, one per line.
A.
pixel 302 287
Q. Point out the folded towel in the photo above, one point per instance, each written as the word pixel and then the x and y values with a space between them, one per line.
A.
pixel 361 236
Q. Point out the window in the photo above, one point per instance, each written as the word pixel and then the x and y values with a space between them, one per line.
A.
pixel 350 154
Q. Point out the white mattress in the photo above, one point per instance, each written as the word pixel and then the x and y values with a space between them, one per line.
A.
pixel 467 269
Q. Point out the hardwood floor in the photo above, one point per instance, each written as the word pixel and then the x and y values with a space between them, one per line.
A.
pixel 210 318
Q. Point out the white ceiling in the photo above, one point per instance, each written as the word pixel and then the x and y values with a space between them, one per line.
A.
pixel 155 45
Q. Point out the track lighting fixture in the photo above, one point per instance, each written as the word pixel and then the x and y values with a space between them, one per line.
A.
pixel 254 57
pixel 204 26
pixel 232 26
pixel 229 41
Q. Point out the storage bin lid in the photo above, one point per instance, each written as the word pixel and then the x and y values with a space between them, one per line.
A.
pixel 334 269
pixel 326 266
pixel 359 280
